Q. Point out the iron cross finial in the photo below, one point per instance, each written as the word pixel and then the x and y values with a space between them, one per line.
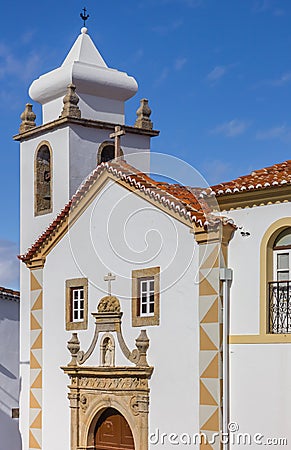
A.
pixel 84 16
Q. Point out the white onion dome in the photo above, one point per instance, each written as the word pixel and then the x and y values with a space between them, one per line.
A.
pixel 87 70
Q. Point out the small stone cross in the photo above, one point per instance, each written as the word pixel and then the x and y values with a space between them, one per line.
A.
pixel 110 277
pixel 117 135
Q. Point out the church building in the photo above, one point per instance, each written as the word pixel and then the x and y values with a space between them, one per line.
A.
pixel 153 314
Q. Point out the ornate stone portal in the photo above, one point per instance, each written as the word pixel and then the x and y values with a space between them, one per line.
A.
pixel 96 388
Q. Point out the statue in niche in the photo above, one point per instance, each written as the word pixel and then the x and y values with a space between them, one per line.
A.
pixel 107 352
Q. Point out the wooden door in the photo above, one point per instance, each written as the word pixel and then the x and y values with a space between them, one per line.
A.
pixel 113 432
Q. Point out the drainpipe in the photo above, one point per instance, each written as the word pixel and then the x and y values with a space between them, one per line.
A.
pixel 226 278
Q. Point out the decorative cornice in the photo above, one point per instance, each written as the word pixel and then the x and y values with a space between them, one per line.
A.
pixel 89 123
pixel 37 263
pixel 266 196
pixel 109 372
pixel 223 233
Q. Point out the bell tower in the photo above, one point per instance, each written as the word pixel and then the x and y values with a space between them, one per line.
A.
pixel 83 104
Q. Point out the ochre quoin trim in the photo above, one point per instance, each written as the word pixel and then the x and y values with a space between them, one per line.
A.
pixel 211 258
pixel 36 317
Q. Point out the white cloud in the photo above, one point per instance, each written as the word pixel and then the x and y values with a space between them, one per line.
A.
pixel 262 6
pixel 180 63
pixel 284 79
pixel 138 55
pixel 162 77
pixel 232 128
pixel 168 28
pixel 22 68
pixel 217 73
pixel 188 3
pixel 280 132
pixel 28 36
pixel 216 171
pixel 9 264
pixel 279 12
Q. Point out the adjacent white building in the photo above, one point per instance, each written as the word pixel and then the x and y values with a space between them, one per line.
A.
pixel 9 369
pixel 135 275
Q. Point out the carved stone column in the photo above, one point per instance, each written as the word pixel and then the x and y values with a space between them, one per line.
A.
pixel 74 398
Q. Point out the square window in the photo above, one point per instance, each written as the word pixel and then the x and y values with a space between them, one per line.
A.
pixel 146 297
pixel 77 294
pixel 77 304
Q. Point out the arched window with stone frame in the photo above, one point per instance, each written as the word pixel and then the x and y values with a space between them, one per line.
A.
pixel 43 179
pixel 106 152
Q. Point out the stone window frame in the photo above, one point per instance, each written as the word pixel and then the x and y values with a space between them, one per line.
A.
pixel 102 146
pixel 138 275
pixel 70 284
pixel 37 212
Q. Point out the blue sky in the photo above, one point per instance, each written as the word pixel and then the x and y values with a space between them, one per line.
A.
pixel 217 75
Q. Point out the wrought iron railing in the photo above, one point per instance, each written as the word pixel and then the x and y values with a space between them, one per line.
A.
pixel 280 307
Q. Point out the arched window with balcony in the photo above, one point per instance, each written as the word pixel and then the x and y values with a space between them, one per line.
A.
pixel 280 285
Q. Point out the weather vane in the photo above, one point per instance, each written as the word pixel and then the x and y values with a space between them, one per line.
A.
pixel 84 16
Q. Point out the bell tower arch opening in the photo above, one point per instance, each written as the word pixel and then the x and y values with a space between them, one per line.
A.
pixel 43 179
pixel 106 152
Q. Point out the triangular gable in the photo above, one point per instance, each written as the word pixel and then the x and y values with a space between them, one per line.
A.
pixel 158 194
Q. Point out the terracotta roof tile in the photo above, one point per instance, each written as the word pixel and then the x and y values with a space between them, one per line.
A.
pixel 276 175
pixel 181 199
